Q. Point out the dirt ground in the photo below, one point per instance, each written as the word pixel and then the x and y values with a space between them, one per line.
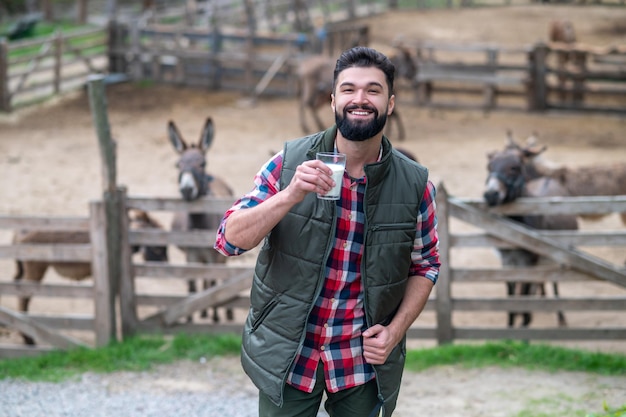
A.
pixel 49 161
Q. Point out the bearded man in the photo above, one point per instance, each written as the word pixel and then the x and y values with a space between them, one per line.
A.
pixel 337 283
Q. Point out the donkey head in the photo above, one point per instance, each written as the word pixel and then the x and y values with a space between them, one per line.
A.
pixel 505 178
pixel 193 181
pixel 510 169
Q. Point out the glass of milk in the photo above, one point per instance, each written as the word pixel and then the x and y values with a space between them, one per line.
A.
pixel 336 162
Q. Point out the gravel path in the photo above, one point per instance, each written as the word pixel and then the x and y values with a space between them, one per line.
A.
pixel 218 388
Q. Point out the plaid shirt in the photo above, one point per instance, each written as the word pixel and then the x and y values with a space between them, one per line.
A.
pixel 333 330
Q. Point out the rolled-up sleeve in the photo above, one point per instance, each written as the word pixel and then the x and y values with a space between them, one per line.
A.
pixel 266 184
pixel 425 255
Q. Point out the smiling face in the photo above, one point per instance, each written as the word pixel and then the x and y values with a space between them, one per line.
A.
pixel 361 102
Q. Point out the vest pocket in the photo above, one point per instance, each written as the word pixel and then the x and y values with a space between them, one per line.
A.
pixel 382 227
pixel 264 313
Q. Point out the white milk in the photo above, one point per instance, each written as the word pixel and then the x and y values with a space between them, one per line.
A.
pixel 335 192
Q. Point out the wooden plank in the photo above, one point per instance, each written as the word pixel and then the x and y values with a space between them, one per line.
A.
pixel 47 252
pixel 16 351
pixel 566 237
pixel 553 334
pixel 195 328
pixel 538 303
pixel 44 223
pixel 529 239
pixel 205 205
pixel 555 205
pixel 103 292
pixel 5 95
pixel 80 322
pixel 213 296
pixel 421 333
pixel 29 289
pixel 189 271
pixel 271 73
pixel 469 47
pixel 538 274
pixel 443 289
pixel 452 76
pixel 240 301
pixel 127 290
pixel 191 238
pixel 38 331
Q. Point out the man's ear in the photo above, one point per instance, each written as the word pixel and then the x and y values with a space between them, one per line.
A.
pixel 392 104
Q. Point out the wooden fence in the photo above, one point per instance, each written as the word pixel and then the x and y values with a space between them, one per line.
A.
pixel 261 60
pixel 50 330
pixel 145 307
pixel 569 264
pixel 34 70
pixel 223 58
pixel 526 78
pixel 521 78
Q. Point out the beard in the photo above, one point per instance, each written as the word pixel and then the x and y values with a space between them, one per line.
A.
pixel 359 130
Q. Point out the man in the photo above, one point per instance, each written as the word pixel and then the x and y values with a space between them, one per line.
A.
pixel 337 283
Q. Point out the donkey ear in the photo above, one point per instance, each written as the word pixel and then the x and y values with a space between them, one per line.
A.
pixel 175 137
pixel 207 135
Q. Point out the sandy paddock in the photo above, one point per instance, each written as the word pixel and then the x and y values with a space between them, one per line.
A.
pixel 49 160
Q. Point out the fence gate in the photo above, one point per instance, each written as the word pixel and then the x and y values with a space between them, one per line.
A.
pixel 569 265
pixel 169 309
pixel 75 245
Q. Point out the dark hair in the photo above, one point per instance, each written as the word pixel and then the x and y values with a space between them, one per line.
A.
pixel 361 56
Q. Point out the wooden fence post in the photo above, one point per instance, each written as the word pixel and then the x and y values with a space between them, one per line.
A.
pixel 104 298
pixel 81 14
pixel 112 195
pixel 128 303
pixel 579 60
pixel 5 96
pixel 58 60
pixel 117 40
pixel 217 42
pixel 537 90
pixel 443 302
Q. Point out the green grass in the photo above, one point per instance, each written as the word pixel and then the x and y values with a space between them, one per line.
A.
pixel 520 354
pixel 610 412
pixel 135 354
pixel 140 353
pixel 143 353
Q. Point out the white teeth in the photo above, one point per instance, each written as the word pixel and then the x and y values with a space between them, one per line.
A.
pixel 360 113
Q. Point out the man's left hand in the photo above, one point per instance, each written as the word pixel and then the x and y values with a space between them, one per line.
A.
pixel 378 342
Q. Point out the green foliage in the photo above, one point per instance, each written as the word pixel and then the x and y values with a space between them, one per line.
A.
pixel 529 356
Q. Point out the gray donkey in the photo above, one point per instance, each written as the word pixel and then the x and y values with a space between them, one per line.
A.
pixel 195 183
pixel 511 175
